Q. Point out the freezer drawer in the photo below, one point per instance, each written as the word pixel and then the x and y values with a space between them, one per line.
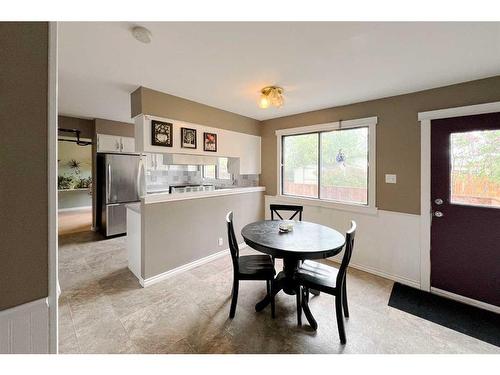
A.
pixel 116 219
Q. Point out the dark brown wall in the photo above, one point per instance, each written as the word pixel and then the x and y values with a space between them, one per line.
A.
pixel 111 127
pixel 87 127
pixel 23 163
pixel 151 102
pixel 398 136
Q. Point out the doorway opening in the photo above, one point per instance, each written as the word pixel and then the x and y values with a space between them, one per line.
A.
pixel 74 185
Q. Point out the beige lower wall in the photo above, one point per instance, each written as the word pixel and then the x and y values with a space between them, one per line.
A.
pixel 23 162
pixel 179 232
pixel 398 136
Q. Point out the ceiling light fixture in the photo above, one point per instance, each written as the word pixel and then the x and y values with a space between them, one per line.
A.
pixel 271 95
pixel 142 34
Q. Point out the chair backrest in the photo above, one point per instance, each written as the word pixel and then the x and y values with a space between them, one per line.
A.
pixel 233 243
pixel 286 207
pixel 349 245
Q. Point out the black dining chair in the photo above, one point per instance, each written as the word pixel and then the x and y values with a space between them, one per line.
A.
pixel 295 210
pixel 275 208
pixel 248 267
pixel 330 280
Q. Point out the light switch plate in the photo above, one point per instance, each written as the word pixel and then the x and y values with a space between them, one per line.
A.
pixel 390 179
pixel 220 242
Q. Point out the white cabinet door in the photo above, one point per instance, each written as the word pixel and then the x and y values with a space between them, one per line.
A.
pixel 108 143
pixel 128 144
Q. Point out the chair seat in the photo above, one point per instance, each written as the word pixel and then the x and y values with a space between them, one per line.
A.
pixel 318 276
pixel 256 267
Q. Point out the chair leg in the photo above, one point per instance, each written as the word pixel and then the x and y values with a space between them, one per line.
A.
pixel 340 318
pixel 271 296
pixel 234 300
pixel 344 299
pixel 298 292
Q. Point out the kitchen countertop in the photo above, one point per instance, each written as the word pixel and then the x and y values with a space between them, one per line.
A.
pixel 166 197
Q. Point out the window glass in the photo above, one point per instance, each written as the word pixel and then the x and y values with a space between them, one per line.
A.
pixel 475 168
pixel 222 170
pixel 209 171
pixel 300 165
pixel 344 165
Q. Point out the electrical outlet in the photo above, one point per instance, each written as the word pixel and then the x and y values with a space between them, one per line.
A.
pixel 390 179
pixel 221 241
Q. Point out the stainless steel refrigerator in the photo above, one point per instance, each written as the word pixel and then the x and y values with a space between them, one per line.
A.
pixel 120 180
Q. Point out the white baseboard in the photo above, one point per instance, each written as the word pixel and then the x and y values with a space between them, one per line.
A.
pixel 74 209
pixel 466 300
pixel 374 271
pixel 24 329
pixel 165 275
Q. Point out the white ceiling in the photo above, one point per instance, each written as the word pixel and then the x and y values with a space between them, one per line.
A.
pixel 225 65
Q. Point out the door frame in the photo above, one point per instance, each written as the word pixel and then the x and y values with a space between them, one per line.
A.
pixel 425 119
pixel 52 188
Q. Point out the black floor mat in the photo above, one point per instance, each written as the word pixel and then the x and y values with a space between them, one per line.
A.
pixel 472 321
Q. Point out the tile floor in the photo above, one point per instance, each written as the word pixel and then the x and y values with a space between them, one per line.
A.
pixel 103 309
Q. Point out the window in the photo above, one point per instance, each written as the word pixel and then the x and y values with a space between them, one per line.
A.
pixel 209 171
pixel 329 162
pixel 222 169
pixel 475 168
pixel 217 171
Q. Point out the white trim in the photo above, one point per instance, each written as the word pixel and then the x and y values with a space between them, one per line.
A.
pixel 371 123
pixel 168 274
pixel 74 209
pixel 25 308
pixel 343 124
pixel 468 110
pixel 425 205
pixel 52 188
pixel 425 178
pixel 362 209
pixel 466 300
pixel 377 272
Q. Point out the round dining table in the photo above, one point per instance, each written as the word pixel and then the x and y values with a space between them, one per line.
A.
pixel 305 241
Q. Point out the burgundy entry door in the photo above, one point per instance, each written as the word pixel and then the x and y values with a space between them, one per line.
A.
pixel 465 194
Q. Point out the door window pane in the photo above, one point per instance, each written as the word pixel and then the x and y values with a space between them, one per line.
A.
pixel 344 165
pixel 300 165
pixel 475 168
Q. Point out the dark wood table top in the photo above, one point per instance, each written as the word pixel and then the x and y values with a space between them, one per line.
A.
pixel 306 240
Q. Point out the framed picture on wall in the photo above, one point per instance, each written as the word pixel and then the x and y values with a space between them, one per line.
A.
pixel 210 142
pixel 188 138
pixel 161 133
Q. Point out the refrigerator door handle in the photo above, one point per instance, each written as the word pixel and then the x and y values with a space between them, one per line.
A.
pixel 109 183
pixel 140 189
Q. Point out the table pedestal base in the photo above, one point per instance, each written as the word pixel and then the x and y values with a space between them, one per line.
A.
pixel 285 281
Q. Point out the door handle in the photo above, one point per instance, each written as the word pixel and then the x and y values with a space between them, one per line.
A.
pixel 438 201
pixel 438 214
pixel 109 182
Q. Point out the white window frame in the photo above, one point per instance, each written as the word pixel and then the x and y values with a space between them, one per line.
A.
pixel 370 123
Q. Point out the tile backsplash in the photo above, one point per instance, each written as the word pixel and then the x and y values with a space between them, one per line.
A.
pixel 160 177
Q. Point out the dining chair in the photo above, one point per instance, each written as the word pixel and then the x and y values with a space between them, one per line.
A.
pixel 248 267
pixel 275 208
pixel 330 280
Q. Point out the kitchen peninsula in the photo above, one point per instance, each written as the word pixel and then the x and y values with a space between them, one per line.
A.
pixel 169 233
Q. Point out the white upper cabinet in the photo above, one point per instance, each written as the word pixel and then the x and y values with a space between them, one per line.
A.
pixel 128 144
pixel 231 144
pixel 115 143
